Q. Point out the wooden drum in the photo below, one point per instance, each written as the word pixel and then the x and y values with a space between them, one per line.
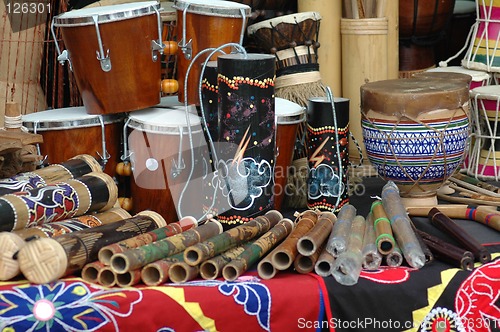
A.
pixel 415 132
pixel 166 179
pixel 204 24
pixel 289 116
pixel 68 132
pixel 114 52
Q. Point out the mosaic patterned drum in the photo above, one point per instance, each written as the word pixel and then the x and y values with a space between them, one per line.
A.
pixel 483 50
pixel 415 132
pixel 483 160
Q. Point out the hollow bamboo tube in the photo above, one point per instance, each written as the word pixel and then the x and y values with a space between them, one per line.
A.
pixel 384 239
pixel 256 250
pixel 305 264
pixel 395 257
pixel 371 256
pixel 212 268
pixel 46 260
pixel 70 169
pixel 196 254
pixel 12 242
pixel 156 273
pixel 106 277
pixel 128 279
pixel 170 229
pixel 285 253
pixel 91 270
pixel 311 241
pixel 324 265
pixel 138 257
pixel 337 242
pixel 182 272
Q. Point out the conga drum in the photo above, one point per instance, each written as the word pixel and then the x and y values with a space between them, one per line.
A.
pixel 483 51
pixel 71 131
pixel 114 52
pixel 201 25
pixel 421 27
pixel 168 173
pixel 483 160
pixel 289 116
pixel 416 132
pixel 169 36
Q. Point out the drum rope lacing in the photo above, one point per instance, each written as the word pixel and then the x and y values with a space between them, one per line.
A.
pixel 14 122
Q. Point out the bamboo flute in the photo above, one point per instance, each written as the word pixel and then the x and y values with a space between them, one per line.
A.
pixel 284 255
pixel 70 169
pixel 337 242
pixel 265 268
pixel 106 277
pixel 371 256
pixel 348 265
pixel 476 182
pixel 91 270
pixel 166 231
pixel 451 228
pixel 212 268
pixel 182 272
pixel 63 200
pixel 305 264
pixel 258 249
pixel 46 260
pixel 401 226
pixel 12 242
pixel 317 235
pixel 448 252
pixel 196 254
pixel 138 257
pixel 384 239
pixel 128 279
pixel 324 265
pixel 395 257
pixel 157 273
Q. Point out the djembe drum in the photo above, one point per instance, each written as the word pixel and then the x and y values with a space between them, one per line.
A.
pixel 421 27
pixel 114 52
pixel 96 135
pixel 415 132
pixel 327 152
pixel 202 25
pixel 483 50
pixel 483 160
pixel 478 78
pixel 245 162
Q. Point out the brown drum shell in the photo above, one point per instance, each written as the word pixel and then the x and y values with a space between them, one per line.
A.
pixel 134 80
pixel 428 21
pixel 204 31
pixel 63 144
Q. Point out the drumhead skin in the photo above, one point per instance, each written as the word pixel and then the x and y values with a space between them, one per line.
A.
pixel 80 17
pixel 66 118
pixel 164 121
pixel 290 19
pixel 288 112
pixel 476 75
pixel 213 7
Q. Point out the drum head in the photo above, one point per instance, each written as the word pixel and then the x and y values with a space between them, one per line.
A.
pixel 66 118
pixel 477 76
pixel 289 19
pixel 164 121
pixel 490 92
pixel 288 112
pixel 106 14
pixel 212 7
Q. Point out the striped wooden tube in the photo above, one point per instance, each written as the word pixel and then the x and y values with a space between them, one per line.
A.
pixel 230 238
pixel 138 257
pixel 384 238
pixel 312 240
pixel 91 270
pixel 46 260
pixel 157 273
pixel 182 225
pixel 183 272
pixel 256 250
pixel 12 242
pixel 285 253
pixel 75 197
pixel 73 168
pixel 212 268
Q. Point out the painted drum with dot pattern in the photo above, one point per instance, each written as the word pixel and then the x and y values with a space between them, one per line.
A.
pixel 245 165
pixel 416 131
pixel 327 153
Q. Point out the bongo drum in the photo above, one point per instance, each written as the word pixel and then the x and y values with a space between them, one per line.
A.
pixel 421 28
pixel 71 131
pixel 478 78
pixel 204 24
pixel 114 52
pixel 160 154
pixel 289 116
pixel 483 161
pixel 415 132
pixel 483 48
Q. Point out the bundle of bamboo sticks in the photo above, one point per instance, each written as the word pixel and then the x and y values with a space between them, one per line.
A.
pixel 359 9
